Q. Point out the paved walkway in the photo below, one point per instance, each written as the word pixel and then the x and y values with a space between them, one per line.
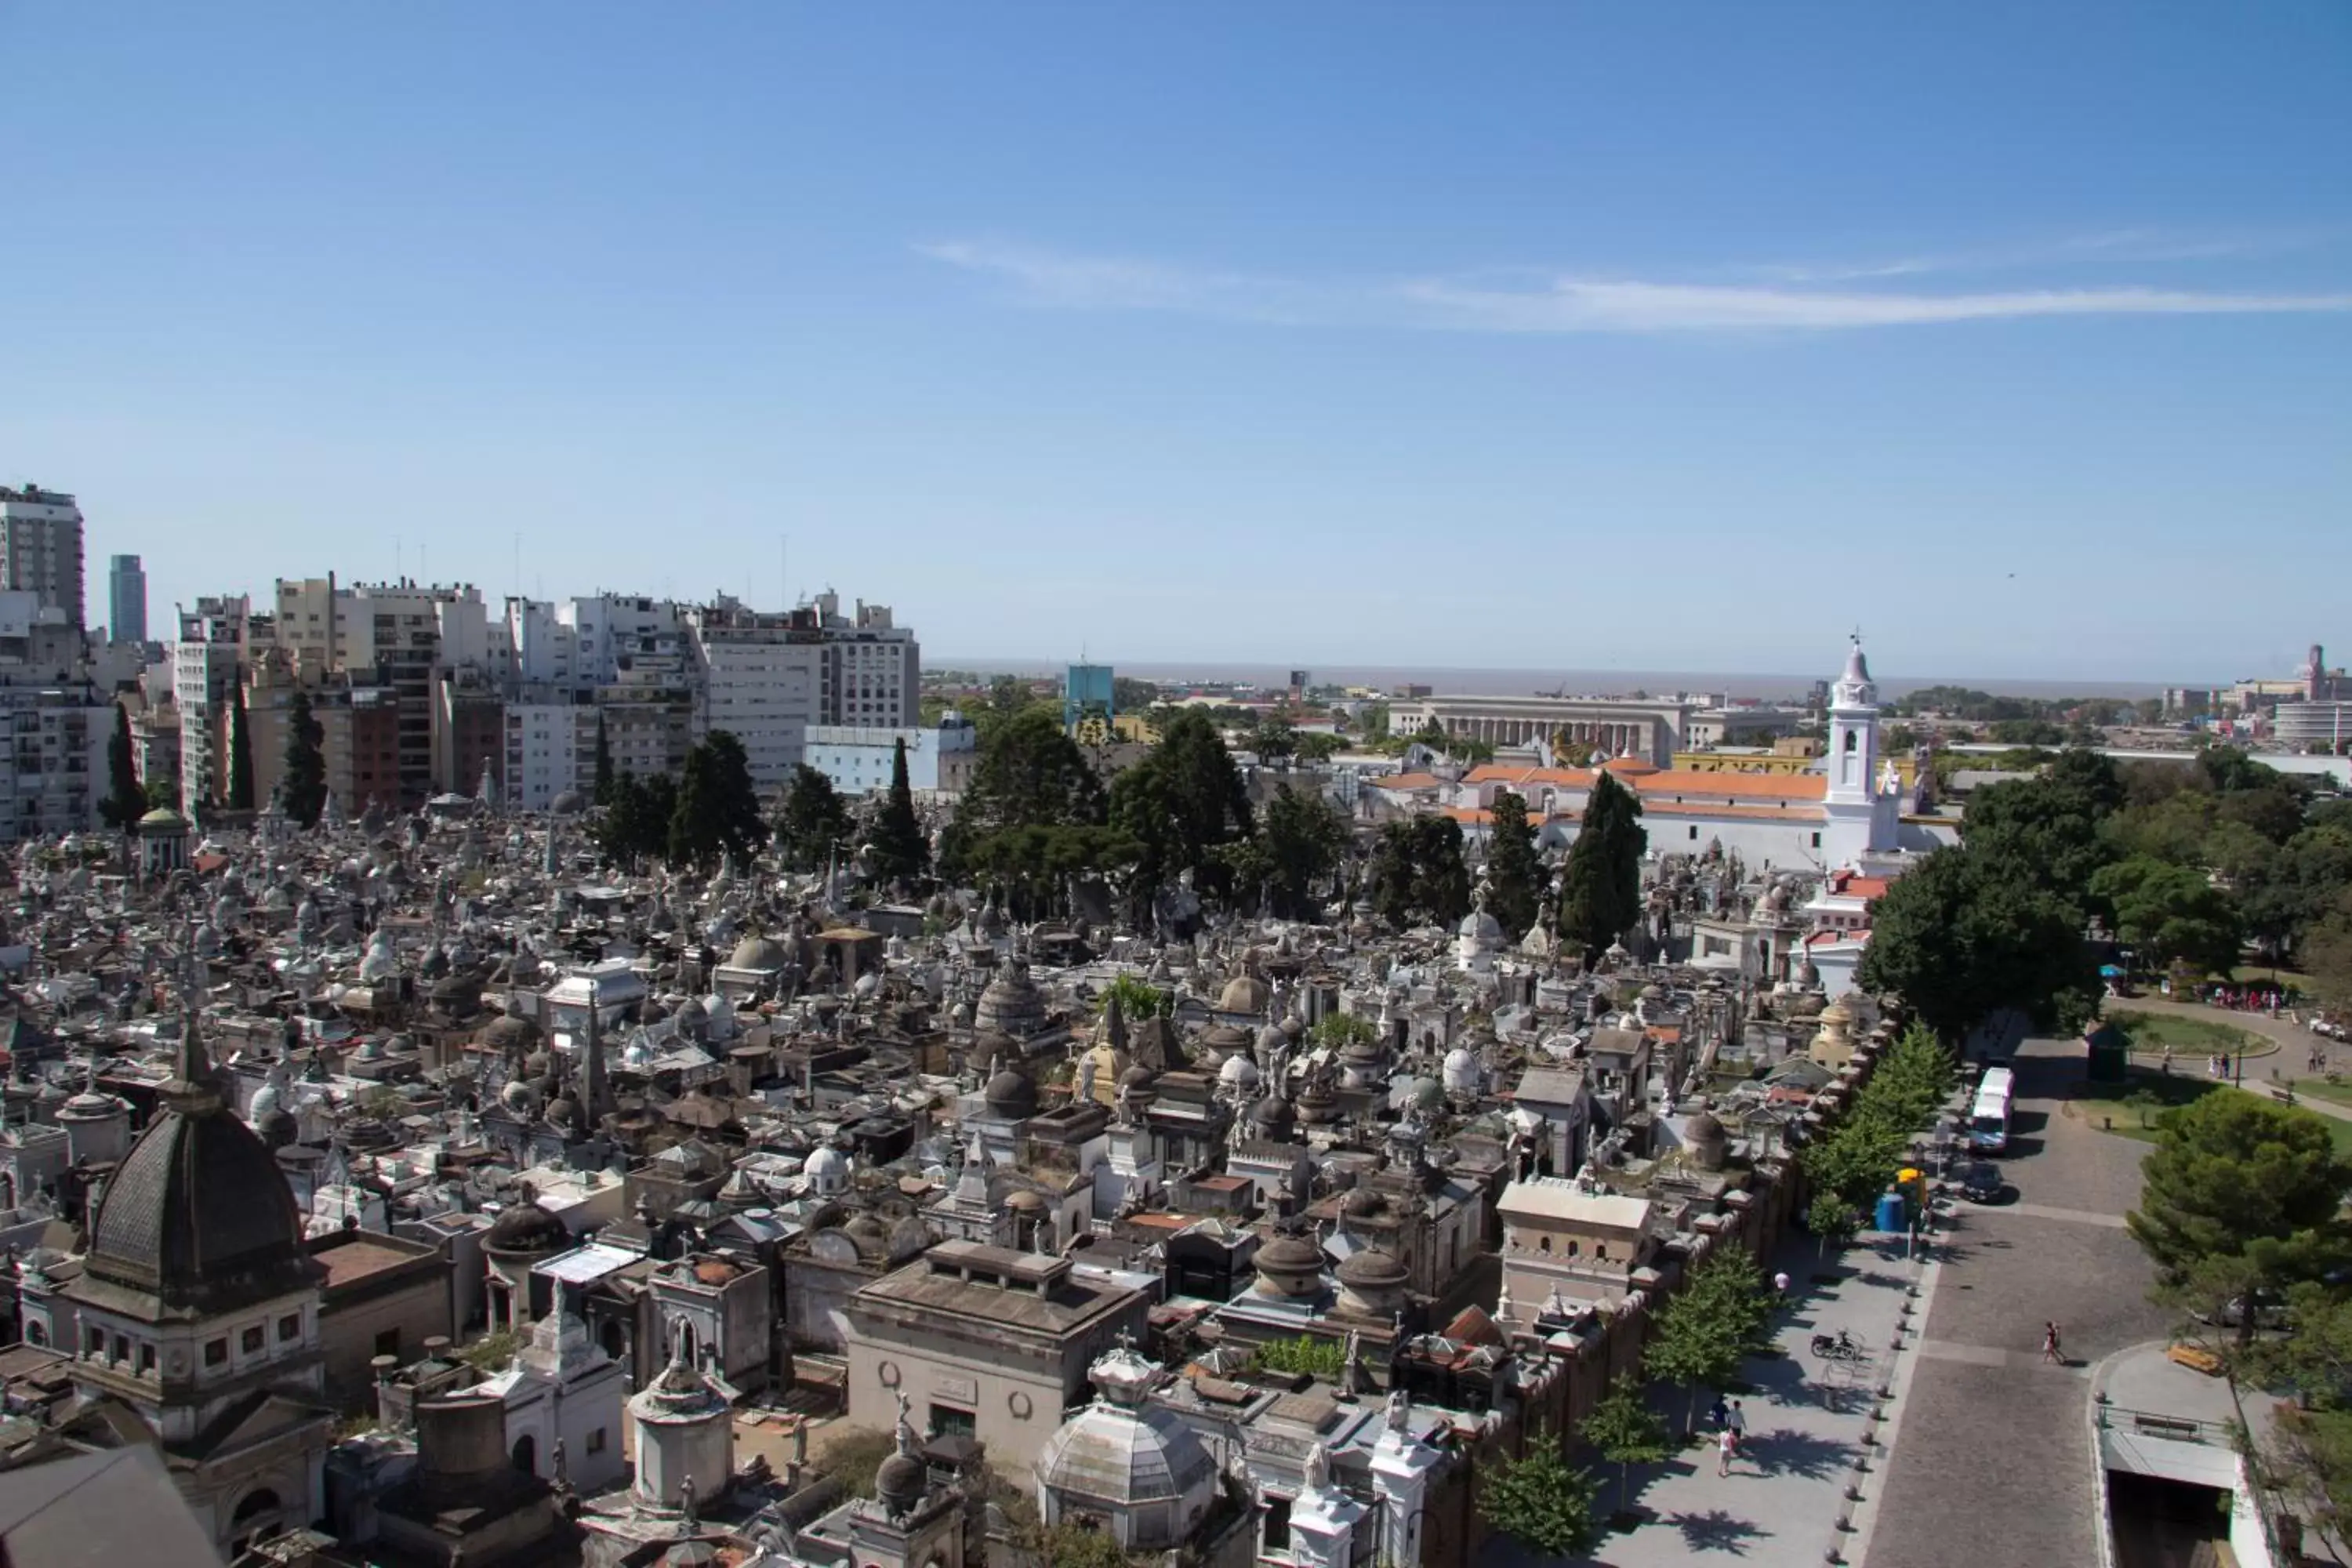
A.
pixel 1807 1429
pixel 1991 1465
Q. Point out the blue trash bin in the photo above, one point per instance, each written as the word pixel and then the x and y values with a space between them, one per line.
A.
pixel 1893 1214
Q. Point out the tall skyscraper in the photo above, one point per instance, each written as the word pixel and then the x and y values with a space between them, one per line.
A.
pixel 40 547
pixel 126 596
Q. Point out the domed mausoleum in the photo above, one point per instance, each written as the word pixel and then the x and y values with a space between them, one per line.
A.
pixel 1132 1464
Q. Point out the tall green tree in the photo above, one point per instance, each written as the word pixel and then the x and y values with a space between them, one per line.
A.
pixel 636 825
pixel 718 809
pixel 126 801
pixel 606 780
pixel 1514 873
pixel 2169 914
pixel 1031 775
pixel 1963 935
pixel 813 825
pixel 902 853
pixel 304 780
pixel 1276 738
pixel 1300 838
pixel 1695 1345
pixel 1625 1432
pixel 240 753
pixel 1418 873
pixel 1601 890
pixel 1540 1502
pixel 1184 803
pixel 2046 830
pixel 2243 1189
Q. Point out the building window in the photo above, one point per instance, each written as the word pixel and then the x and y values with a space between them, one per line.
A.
pixel 947 1421
pixel 251 1341
pixel 123 1347
pixel 216 1352
pixel 93 1341
pixel 1694 832
pixel 596 1441
pixel 146 1359
pixel 388 1342
pixel 1817 841
pixel 1274 1528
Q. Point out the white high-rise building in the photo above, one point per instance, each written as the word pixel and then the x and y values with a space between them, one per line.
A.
pixel 760 679
pixel 872 668
pixel 205 665
pixel 40 547
pixel 551 748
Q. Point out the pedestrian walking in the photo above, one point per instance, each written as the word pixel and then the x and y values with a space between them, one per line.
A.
pixel 1726 1444
pixel 1781 1285
pixel 2050 1345
pixel 1737 1422
pixel 1719 1415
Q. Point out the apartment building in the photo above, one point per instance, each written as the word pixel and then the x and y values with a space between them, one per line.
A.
pixel 41 548
pixel 217 639
pixel 761 678
pixel 551 747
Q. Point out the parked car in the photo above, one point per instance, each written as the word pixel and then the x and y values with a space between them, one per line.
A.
pixel 1982 1182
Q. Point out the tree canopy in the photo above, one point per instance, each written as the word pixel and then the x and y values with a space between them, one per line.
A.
pixel 902 853
pixel 1184 804
pixel 304 780
pixel 813 825
pixel 2170 915
pixel 1624 1431
pixel 1965 934
pixel 1030 774
pixel 2239 1182
pixel 125 801
pixel 240 753
pixel 1300 838
pixel 1539 1502
pixel 635 825
pixel 1419 874
pixel 717 811
pixel 1600 889
pixel 606 779
pixel 1515 874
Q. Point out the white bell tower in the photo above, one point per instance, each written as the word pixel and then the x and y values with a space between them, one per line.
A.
pixel 1851 800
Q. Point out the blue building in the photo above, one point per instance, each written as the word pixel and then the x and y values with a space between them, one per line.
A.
pixel 1087 691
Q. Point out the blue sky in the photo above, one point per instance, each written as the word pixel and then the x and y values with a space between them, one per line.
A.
pixel 1549 335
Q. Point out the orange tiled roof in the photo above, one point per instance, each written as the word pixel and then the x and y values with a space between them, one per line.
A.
pixel 1732 809
pixel 1731 786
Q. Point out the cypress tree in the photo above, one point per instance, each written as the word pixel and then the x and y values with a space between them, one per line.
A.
pixel 240 755
pixel 125 801
pixel 305 782
pixel 1515 875
pixel 1600 891
pixel 900 851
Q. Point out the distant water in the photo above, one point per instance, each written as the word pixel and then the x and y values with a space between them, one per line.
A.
pixel 1457 681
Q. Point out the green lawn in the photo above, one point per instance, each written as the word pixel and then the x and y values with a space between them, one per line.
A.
pixel 2149 1033
pixel 2320 1089
pixel 2263 974
pixel 2105 1107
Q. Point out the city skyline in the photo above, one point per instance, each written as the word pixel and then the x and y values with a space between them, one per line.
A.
pixel 1473 342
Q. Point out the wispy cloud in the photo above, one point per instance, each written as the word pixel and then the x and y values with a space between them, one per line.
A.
pixel 1557 304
